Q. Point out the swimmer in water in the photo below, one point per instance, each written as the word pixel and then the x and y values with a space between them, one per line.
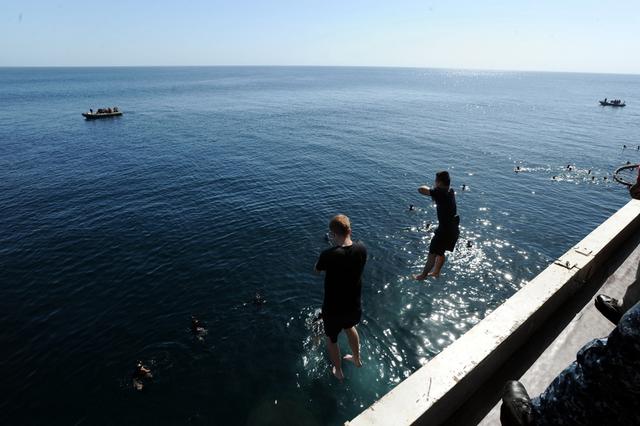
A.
pixel 426 227
pixel 517 169
pixel 258 300
pixel 589 172
pixel 464 187
pixel 411 207
pixel 197 326
pixel 554 178
pixel 469 244
pixel 624 147
pixel 140 374
pixel 604 178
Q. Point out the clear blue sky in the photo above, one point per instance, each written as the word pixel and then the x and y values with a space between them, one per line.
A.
pixel 555 35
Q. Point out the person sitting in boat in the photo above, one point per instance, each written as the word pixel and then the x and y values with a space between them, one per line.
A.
pixel 90 111
pixel 605 100
pixel 115 109
pixel 109 110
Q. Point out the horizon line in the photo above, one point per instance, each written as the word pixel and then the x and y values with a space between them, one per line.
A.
pixel 326 66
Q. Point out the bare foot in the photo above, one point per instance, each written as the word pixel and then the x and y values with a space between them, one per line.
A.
pixel 434 274
pixel 338 373
pixel 349 357
pixel 420 277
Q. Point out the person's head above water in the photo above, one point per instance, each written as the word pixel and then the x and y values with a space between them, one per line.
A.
pixel 340 227
pixel 443 180
pixel 141 372
pixel 195 322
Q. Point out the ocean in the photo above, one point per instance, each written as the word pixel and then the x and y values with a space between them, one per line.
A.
pixel 218 183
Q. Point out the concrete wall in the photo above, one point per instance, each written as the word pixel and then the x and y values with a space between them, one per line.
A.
pixel 437 389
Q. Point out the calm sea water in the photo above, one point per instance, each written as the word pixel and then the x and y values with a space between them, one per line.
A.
pixel 218 183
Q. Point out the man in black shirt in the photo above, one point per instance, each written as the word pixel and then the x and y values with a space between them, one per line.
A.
pixel 446 235
pixel 341 309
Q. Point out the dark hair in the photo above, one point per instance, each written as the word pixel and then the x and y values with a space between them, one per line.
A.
pixel 444 178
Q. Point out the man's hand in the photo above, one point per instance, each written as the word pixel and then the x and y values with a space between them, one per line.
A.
pixel 424 190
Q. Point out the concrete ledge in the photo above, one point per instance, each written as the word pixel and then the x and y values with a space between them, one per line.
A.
pixel 434 392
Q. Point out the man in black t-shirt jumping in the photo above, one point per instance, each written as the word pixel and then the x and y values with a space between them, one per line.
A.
pixel 447 234
pixel 341 309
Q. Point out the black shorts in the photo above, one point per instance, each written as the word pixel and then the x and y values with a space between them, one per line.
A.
pixel 335 323
pixel 445 239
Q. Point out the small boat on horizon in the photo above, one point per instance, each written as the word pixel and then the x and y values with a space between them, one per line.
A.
pixel 613 103
pixel 102 113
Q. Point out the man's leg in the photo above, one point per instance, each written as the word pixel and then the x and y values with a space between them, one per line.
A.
pixel 354 343
pixel 431 260
pixel 334 356
pixel 438 266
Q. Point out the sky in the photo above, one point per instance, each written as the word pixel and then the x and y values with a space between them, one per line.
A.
pixel 544 35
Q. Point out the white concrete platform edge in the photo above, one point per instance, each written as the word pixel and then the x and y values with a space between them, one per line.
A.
pixel 432 393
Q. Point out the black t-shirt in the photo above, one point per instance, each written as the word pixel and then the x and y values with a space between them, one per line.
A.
pixel 445 200
pixel 343 268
